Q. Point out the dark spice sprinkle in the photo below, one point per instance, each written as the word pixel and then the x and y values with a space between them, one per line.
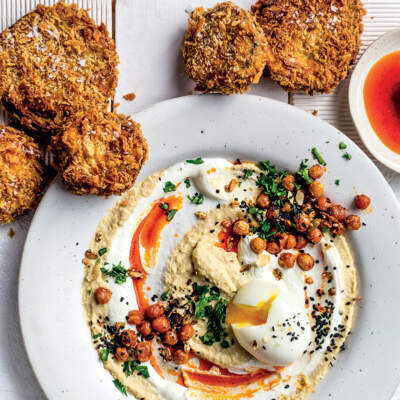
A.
pixel 218 205
pixel 287 386
pixel 217 191
pixel 212 230
pixel 121 299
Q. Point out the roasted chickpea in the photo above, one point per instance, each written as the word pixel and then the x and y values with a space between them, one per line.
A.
pixel 305 261
pixel 161 324
pixel 258 245
pixel 241 228
pixel 314 236
pixel 273 248
pixel 316 189
pixel 121 354
pixel 302 222
pixel 145 328
pixel 135 317
pixel 102 295
pixel 186 333
pixel 323 203
pixel 263 200
pixel 316 171
pixel 301 242
pixel 129 338
pixel 143 351
pixel 180 357
pixel 362 201
pixel 273 213
pixel 288 182
pixel 290 242
pixel 170 338
pixel 154 311
pixel 286 260
pixel 338 212
pixel 339 228
pixel 353 222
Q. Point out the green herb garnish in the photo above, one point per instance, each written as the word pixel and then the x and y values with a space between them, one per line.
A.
pixel 96 336
pixel 196 161
pixel 325 229
pixel 337 182
pixel 118 272
pixel 130 366
pixel 216 323
pixel 120 387
pixel 169 187
pixel 104 354
pixel 317 155
pixel 247 174
pixel 171 214
pixel 197 198
pixel 342 146
pixel 187 183
pixel 347 156
pixel 102 251
pixel 164 296
pixel 303 172
pixel 164 206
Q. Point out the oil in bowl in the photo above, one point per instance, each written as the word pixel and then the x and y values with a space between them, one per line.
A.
pixel 382 100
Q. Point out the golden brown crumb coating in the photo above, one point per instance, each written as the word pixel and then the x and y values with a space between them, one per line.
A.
pixel 54 62
pixel 224 49
pixel 100 153
pixel 311 43
pixel 21 174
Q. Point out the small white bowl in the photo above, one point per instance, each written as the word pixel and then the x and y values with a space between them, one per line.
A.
pixel 386 44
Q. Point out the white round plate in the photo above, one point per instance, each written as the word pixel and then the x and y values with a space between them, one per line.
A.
pixel 248 127
pixel 386 44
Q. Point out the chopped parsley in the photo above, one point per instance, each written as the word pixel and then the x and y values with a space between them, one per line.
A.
pixel 303 172
pixel 247 174
pixel 169 187
pixel 347 156
pixel 171 214
pixel 164 206
pixel 342 146
pixel 337 182
pixel 130 366
pixel 196 161
pixel 187 183
pixel 118 272
pixel 325 229
pixel 164 296
pixel 102 251
pixel 104 354
pixel 120 387
pixel 197 198
pixel 96 336
pixel 317 155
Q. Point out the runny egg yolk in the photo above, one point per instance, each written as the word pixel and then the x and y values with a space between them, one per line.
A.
pixel 245 315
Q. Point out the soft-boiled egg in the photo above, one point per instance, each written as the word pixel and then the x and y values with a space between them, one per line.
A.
pixel 270 322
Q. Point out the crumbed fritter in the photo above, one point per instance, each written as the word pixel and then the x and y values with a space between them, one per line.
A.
pixel 100 153
pixel 224 49
pixel 54 62
pixel 311 43
pixel 21 174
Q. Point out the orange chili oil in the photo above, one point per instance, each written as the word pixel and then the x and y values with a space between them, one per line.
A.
pixel 382 100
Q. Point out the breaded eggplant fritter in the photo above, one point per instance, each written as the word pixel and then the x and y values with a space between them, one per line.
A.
pixel 100 153
pixel 224 49
pixel 21 174
pixel 55 62
pixel 311 43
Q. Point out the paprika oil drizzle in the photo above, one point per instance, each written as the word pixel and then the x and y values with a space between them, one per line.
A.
pixel 382 100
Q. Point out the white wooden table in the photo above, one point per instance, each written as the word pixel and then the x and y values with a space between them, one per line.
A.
pixel 149 35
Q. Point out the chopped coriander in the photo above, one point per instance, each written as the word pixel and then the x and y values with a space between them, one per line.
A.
pixel 216 323
pixel 342 146
pixel 196 161
pixel 164 206
pixel 118 272
pixel 317 155
pixel 347 156
pixel 187 183
pixel 104 355
pixel 130 366
pixel 247 174
pixel 303 172
pixel 102 251
pixel 171 214
pixel 120 387
pixel 197 198
pixel 337 182
pixel 224 344
pixel 325 229
pixel 169 187
pixel 164 296
pixel 96 336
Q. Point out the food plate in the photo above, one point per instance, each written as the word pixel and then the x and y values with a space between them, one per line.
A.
pixel 246 127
